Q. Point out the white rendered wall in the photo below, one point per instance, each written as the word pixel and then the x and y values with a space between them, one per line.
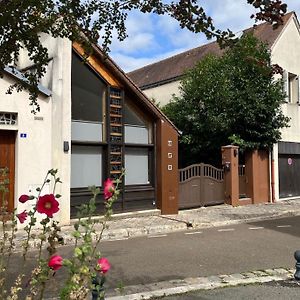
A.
pixel 163 94
pixel 61 120
pixel 286 53
pixel 33 153
pixel 58 80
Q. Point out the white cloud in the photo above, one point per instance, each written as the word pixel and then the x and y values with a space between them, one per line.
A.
pixel 177 37
pixel 152 38
pixel 137 22
pixel 135 43
pixel 234 15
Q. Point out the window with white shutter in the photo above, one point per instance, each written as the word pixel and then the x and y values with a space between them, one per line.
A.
pixel 291 87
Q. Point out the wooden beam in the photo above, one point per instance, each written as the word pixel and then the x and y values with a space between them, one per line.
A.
pixel 98 66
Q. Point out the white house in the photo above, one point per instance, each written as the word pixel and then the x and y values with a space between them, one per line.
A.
pixel 161 80
pixel 93 121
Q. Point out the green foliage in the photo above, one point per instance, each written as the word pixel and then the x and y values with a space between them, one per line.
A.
pixel 22 22
pixel 232 99
pixel 83 272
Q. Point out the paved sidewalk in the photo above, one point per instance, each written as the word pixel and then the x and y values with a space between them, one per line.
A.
pixel 151 222
pixel 135 224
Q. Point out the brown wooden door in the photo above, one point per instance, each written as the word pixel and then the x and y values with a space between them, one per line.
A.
pixel 7 161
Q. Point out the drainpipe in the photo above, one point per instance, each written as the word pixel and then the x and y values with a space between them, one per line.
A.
pixel 272 200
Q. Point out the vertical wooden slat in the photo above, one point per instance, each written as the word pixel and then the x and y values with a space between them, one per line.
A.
pixel 7 160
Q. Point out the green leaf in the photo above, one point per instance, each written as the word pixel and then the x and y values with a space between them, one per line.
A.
pixel 67 262
pixel 77 252
pixel 76 234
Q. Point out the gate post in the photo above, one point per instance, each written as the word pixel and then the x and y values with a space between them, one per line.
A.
pixel 230 162
pixel 258 176
pixel 167 168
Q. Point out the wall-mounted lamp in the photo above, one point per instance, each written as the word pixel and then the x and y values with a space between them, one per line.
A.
pixel 66 146
pixel 226 166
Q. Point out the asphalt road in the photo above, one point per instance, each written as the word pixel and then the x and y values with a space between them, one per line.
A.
pixel 226 250
pixel 194 253
pixel 282 290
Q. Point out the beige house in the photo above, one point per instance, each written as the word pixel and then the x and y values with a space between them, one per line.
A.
pixel 161 80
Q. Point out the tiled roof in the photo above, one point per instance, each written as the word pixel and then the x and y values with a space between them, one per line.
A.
pixel 173 67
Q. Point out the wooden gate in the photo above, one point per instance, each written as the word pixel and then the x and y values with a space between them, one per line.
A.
pixel 200 185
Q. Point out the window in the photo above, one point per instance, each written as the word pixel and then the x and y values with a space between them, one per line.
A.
pixel 138 146
pixel 291 87
pixel 88 100
pixel 132 118
pixel 88 92
pixel 137 166
pixel 8 118
pixel 86 131
pixel 137 129
pixel 86 166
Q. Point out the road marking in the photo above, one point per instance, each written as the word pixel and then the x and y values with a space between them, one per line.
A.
pixel 256 228
pixel 227 229
pixel 195 232
pixel 156 236
pixel 284 226
pixel 113 240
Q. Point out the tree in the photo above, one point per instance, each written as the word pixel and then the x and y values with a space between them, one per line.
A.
pixel 232 99
pixel 21 22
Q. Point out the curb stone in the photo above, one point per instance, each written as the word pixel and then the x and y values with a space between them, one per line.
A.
pixel 152 291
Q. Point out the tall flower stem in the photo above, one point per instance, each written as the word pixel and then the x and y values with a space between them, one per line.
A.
pixel 107 213
pixel 3 211
pixel 45 221
pixel 32 219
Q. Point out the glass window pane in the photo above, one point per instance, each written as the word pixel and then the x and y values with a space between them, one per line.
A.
pixel 88 92
pixel 86 131
pixel 131 117
pixel 86 166
pixel 136 166
pixel 136 135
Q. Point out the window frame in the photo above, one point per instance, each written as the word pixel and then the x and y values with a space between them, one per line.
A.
pixel 151 165
pixel 149 125
pixel 104 97
pixel 103 146
pixel 84 191
pixel 291 85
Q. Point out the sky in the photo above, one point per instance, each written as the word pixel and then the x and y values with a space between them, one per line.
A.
pixel 152 38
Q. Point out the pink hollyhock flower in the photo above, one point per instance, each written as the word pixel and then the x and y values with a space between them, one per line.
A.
pixel 22 216
pixel 109 188
pixel 55 262
pixel 24 198
pixel 48 205
pixel 103 264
